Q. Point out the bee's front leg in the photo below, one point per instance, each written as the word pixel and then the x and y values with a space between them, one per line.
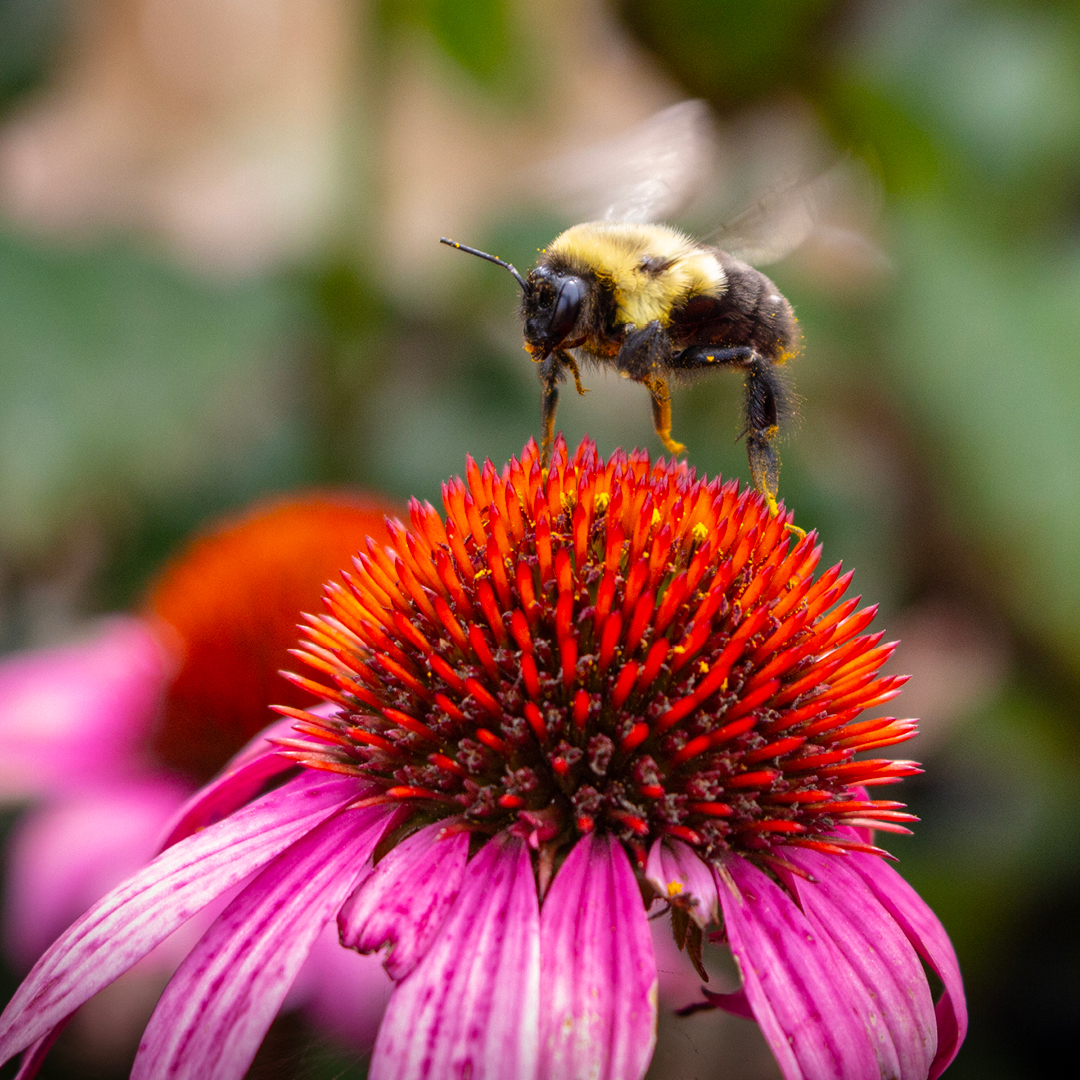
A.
pixel 553 370
pixel 550 373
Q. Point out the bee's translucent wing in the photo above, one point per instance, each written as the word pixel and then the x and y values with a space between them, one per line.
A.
pixel 783 220
pixel 647 174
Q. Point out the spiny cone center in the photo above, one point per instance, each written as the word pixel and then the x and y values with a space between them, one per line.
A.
pixel 612 645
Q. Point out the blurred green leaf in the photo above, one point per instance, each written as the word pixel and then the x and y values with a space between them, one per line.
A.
pixel 475 33
pixel 29 32
pixel 731 51
pixel 119 375
pixel 984 345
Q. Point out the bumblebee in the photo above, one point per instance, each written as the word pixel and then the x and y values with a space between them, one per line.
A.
pixel 655 305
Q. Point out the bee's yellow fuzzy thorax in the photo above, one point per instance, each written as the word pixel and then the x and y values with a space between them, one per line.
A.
pixel 622 253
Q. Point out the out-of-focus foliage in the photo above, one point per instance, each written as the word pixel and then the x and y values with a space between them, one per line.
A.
pixel 938 444
pixel 119 374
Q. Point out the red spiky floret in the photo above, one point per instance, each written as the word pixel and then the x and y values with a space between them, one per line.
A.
pixel 609 645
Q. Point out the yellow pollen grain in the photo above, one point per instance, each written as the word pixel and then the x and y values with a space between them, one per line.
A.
pixel 568 502
pixel 703 667
pixel 601 501
pixel 656 519
pixel 674 888
pixel 699 533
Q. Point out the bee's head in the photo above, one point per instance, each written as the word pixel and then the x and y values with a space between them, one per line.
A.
pixel 551 307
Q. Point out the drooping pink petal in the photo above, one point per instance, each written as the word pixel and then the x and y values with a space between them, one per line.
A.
pixel 471 1006
pixel 840 904
pixel 804 997
pixel 598 985
pixel 407 898
pixel 735 1003
pixel 125 925
pixel 679 984
pixel 219 1004
pixel 65 856
pixel 928 936
pixel 241 779
pixel 74 716
pixel 677 874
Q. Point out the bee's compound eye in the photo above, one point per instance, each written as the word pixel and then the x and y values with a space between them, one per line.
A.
pixel 567 307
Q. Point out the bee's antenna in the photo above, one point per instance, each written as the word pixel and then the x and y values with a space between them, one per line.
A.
pixel 490 258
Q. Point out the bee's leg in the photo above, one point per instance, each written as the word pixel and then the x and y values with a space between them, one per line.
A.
pixel 762 425
pixel 661 412
pixel 644 352
pixel 702 357
pixel 644 356
pixel 764 397
pixel 550 373
pixel 569 362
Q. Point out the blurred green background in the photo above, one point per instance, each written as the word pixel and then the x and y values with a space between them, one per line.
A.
pixel 219 278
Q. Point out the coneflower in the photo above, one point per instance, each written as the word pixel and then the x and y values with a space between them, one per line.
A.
pixel 588 690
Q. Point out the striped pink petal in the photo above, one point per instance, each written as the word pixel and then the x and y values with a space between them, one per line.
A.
pixel 471 1007
pixel 219 1004
pixel 138 914
pixel 840 904
pixel 807 1003
pixel 598 974
pixel 407 898
pixel 677 874
pixel 928 936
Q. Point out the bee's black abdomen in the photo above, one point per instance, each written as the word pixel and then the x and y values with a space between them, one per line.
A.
pixel 751 313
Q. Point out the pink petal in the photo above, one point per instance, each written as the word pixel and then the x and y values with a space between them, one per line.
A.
pixel 598 975
pixel 241 779
pixel 676 873
pixel 804 997
pixel 219 1004
pixel 679 983
pixel 407 898
pixel 66 856
pixel 840 904
pixel 471 1007
pixel 736 1004
pixel 928 936
pixel 71 717
pixel 35 1055
pixel 125 925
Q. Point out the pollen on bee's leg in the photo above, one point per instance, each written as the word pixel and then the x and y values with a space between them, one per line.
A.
pixel 661 410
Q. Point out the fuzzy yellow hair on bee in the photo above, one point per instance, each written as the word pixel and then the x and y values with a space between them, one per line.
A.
pixel 650 267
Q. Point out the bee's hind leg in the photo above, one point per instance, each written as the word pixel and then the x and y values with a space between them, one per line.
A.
pixel 764 395
pixel 762 426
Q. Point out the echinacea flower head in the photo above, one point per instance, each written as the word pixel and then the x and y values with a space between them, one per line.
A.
pixel 585 691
